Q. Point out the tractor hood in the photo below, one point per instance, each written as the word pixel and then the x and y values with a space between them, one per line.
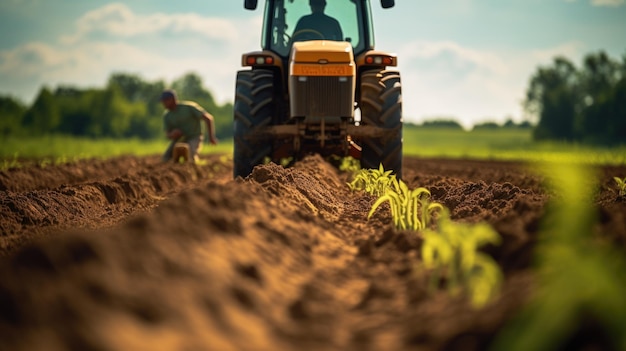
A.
pixel 322 51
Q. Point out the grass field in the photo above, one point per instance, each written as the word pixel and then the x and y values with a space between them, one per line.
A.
pixel 502 144
pixel 59 149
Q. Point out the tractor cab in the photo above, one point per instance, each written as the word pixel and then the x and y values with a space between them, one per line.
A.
pixel 289 21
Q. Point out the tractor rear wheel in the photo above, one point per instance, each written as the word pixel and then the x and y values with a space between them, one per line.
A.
pixel 253 110
pixel 381 106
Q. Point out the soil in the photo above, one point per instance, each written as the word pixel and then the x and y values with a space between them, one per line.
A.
pixel 133 254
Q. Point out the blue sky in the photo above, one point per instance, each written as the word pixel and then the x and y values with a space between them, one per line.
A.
pixel 464 59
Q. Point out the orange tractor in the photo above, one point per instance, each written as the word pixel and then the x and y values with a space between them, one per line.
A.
pixel 317 86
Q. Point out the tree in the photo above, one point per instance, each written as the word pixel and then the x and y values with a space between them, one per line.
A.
pixel 442 123
pixel 127 107
pixel 131 86
pixel 11 113
pixel 486 126
pixel 586 105
pixel 618 106
pixel 189 87
pixel 552 96
pixel 43 117
pixel 509 124
pixel 599 77
pixel 74 109
pixel 135 89
pixel 112 114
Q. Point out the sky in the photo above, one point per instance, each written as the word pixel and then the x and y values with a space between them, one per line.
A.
pixel 468 60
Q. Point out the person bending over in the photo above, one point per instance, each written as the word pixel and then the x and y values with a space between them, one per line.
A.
pixel 182 121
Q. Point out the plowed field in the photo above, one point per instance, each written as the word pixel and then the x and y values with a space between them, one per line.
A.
pixel 133 254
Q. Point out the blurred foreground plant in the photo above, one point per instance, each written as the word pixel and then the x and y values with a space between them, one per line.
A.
pixel 621 185
pixel 348 164
pixel 451 253
pixel 580 281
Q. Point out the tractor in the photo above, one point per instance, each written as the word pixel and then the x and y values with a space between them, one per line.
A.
pixel 308 91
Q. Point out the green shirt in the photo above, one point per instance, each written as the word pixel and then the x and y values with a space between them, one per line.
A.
pixel 187 116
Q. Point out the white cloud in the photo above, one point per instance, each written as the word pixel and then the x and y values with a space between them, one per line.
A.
pixel 118 20
pixel 76 64
pixel 461 56
pixel 571 50
pixel 447 79
pixel 613 3
pixel 28 59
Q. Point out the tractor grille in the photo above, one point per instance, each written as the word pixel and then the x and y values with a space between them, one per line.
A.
pixel 322 96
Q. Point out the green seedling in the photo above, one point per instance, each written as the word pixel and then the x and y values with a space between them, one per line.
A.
pixel 350 164
pixel 451 253
pixel 372 181
pixel 621 186
pixel 286 161
pixel 45 162
pixel 61 160
pixel 13 163
pixel 410 209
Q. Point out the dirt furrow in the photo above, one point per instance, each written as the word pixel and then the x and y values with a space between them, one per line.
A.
pixel 96 203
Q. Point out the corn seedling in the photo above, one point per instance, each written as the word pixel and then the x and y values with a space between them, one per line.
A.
pixel 350 164
pixel 410 209
pixel 13 163
pixel 286 161
pixel 621 186
pixel 451 254
pixel 45 162
pixel 372 181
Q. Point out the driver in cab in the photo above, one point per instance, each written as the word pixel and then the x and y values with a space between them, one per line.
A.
pixel 318 24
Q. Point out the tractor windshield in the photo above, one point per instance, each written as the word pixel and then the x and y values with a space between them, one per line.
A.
pixel 288 21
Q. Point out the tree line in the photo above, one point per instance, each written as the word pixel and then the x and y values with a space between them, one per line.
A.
pixel 127 107
pixel 586 104
pixel 451 123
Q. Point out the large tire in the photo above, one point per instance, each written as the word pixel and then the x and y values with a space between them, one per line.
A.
pixel 381 106
pixel 254 108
